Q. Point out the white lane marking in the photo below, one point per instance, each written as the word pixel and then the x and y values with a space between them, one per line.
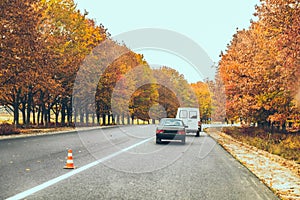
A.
pixel 74 172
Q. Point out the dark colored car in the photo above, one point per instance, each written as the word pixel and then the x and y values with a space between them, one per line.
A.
pixel 170 129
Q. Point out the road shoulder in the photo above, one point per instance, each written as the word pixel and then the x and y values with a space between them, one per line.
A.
pixel 279 174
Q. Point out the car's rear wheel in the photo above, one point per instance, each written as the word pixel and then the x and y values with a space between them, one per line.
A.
pixel 198 133
pixel 183 141
pixel 158 141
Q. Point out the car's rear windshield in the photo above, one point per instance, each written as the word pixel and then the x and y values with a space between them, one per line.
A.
pixel 171 122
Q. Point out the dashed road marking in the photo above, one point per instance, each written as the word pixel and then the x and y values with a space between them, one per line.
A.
pixel 74 172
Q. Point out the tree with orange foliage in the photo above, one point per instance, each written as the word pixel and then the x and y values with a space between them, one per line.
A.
pixel 72 37
pixel 23 57
pixel 259 66
pixel 204 96
pixel 42 46
pixel 218 96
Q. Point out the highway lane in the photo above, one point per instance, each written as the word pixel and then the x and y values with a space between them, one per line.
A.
pixel 201 169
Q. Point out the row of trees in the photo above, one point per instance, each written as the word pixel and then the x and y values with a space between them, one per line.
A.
pixel 42 45
pixel 57 62
pixel 261 67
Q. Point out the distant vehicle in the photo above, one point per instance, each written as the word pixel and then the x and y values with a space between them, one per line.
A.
pixel 170 129
pixel 191 119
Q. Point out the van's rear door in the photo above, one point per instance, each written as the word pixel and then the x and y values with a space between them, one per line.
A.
pixel 190 118
pixel 183 115
pixel 193 120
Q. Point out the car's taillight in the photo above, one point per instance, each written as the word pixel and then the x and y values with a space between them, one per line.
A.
pixel 159 131
pixel 199 123
pixel 181 132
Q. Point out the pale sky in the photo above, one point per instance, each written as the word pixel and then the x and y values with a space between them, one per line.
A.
pixel 209 23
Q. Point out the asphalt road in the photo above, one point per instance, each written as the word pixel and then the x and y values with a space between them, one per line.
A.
pixel 123 163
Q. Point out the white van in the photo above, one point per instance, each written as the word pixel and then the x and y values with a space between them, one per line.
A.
pixel 191 119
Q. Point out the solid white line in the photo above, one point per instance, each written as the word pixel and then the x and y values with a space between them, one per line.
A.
pixel 73 172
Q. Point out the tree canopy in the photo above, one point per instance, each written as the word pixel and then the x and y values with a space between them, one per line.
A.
pixel 58 66
pixel 260 68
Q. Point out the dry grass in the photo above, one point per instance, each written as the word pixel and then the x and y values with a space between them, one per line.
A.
pixel 284 145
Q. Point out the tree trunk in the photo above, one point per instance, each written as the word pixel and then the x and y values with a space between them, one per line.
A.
pixel 63 113
pixel 41 110
pixel 16 105
pixel 45 118
pixel 56 116
pixel 40 116
pixel 81 117
pixel 16 113
pixel 128 119
pixel 103 119
pixel 69 113
pixel 86 115
pixel 49 115
pixel 284 127
pixel 75 115
pixel 23 110
pixel 98 118
pixel 93 119
pixel 123 120
pixel 272 127
pixel 33 115
pixel 29 102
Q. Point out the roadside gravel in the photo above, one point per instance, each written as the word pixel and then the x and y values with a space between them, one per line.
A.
pixel 279 174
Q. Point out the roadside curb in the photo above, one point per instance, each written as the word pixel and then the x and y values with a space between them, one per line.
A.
pixel 72 130
pixel 279 174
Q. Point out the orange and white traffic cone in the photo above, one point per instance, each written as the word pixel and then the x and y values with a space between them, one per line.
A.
pixel 70 163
